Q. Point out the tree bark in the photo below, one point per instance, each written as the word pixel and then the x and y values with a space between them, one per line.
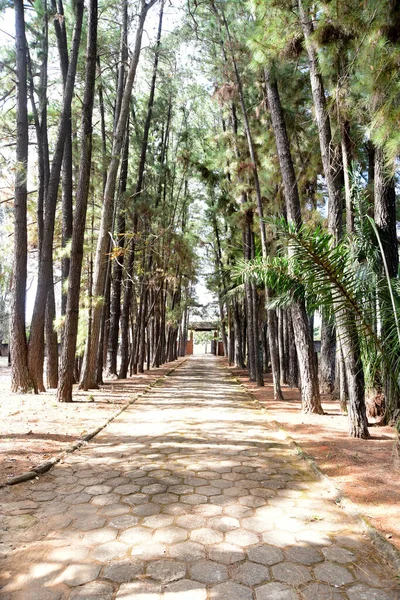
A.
pixel 311 401
pixel 327 364
pixel 88 379
pixel 21 380
pixel 333 171
pixel 385 219
pixel 51 340
pixel 64 392
pixel 36 340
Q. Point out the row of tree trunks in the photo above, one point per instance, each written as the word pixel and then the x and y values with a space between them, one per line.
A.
pixel 333 171
pixel 89 369
pixel 311 401
pixel 64 391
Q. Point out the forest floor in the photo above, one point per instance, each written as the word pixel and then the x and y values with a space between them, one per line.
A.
pixel 36 428
pixel 367 471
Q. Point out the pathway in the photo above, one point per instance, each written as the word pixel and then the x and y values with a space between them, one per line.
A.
pixel 188 495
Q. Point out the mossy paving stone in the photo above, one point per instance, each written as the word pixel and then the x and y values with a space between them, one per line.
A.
pixel 190 494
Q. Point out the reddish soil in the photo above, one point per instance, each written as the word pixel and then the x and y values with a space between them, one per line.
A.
pixel 367 471
pixel 36 428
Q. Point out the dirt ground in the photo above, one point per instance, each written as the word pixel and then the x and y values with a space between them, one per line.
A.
pixel 367 471
pixel 35 428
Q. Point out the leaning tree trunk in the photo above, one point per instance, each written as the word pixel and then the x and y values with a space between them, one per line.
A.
pixel 311 401
pixel 20 377
pixel 333 172
pixel 64 392
pixel 88 378
pixel 36 340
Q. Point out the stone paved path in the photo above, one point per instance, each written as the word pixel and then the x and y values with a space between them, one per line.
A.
pixel 188 495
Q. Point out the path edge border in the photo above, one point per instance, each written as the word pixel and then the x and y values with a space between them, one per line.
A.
pixel 391 553
pixel 45 466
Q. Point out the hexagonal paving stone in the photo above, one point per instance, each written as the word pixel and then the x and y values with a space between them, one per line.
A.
pixel 204 535
pixel 191 521
pixel 241 538
pixel 101 500
pixel 155 521
pixel 139 590
pixel 252 501
pixel 208 490
pixel 100 536
pixel 207 510
pixel 265 555
pixel 85 524
pixel 146 510
pixel 321 591
pixel 185 590
pixel 307 555
pixel 187 551
pixel 279 538
pixel 181 489
pixel 251 573
pixel 239 511
pixel 291 573
pixel 276 591
pixel 109 551
pixel 136 535
pixel 165 498
pixel 333 574
pixel 166 570
pixel 224 523
pixel 337 554
pixel 78 574
pixel 123 570
pixel 98 490
pixel 113 510
pixel 208 571
pixel 135 499
pixel 194 499
pixel 123 521
pixel 364 592
pixel 258 524
pixel 149 551
pixel 230 591
pixel 171 534
pixel 94 591
pixel 154 488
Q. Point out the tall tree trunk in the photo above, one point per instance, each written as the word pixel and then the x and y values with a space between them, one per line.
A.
pixel 385 219
pixel 64 392
pixel 117 272
pixel 67 191
pixel 115 301
pixel 36 340
pixel 258 367
pixel 311 401
pixel 51 340
pixel 20 377
pixel 333 172
pixel 88 379
pixel 138 190
pixel 327 364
